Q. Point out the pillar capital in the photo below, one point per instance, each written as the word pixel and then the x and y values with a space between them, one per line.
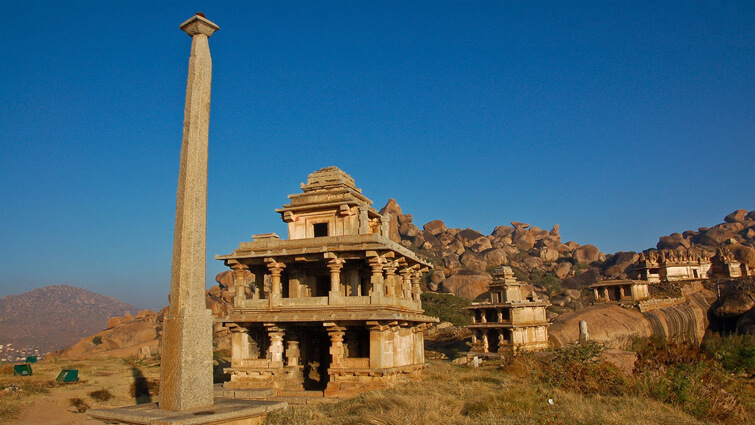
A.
pixel 336 264
pixel 274 266
pixel 199 24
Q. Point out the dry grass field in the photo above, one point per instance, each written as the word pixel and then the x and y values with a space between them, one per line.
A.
pixel 451 394
pixel 670 384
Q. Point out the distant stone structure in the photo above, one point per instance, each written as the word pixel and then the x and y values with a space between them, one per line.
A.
pixel 620 290
pixel 662 266
pixel 508 320
pixel 336 307
pixel 723 265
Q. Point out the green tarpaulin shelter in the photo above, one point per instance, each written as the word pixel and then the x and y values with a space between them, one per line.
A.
pixel 68 375
pixel 22 369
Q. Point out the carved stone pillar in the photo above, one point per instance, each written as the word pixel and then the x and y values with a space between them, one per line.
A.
pixel 292 352
pixel 275 351
pixel 415 285
pixel 499 315
pixel 376 265
pixel 483 316
pixel 242 347
pixel 336 334
pixel 385 225
pixel 390 279
pixel 485 344
pixel 406 283
pixel 240 273
pixel 275 269
pixel 335 265
pixel 364 221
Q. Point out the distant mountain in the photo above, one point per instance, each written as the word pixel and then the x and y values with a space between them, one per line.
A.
pixel 56 317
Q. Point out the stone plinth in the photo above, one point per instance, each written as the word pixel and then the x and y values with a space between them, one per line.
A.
pixel 222 412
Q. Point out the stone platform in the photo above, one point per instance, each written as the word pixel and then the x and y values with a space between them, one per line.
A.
pixel 222 412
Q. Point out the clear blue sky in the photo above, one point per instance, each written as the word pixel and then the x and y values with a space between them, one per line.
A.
pixel 621 121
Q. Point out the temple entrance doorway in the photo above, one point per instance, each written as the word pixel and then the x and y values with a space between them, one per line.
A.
pixel 315 357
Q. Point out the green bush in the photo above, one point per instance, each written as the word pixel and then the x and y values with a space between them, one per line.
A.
pixel 447 307
pixel 735 352
pixel 675 373
pixel 97 340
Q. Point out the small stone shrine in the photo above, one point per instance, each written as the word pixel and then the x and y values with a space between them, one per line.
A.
pixel 508 320
pixel 335 308
pixel 620 290
pixel 662 266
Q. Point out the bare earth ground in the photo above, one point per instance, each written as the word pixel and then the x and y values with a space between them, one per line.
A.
pixel 42 401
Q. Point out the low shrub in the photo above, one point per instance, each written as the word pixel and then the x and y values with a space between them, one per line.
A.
pixel 681 374
pixel 102 395
pixel 579 368
pixel 80 405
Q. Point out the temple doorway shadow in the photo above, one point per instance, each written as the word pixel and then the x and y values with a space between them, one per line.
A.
pixel 218 372
pixel 140 387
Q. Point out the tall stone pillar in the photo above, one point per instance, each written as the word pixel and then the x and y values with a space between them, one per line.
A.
pixel 186 368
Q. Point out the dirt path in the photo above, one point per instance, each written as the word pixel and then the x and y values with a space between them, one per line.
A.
pixel 55 408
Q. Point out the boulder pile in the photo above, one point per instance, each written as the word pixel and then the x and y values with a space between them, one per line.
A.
pixel 464 257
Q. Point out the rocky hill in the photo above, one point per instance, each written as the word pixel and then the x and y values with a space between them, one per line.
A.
pixel 463 257
pixel 54 317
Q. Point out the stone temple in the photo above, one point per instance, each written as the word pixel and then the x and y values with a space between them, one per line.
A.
pixel 334 308
pixel 508 320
